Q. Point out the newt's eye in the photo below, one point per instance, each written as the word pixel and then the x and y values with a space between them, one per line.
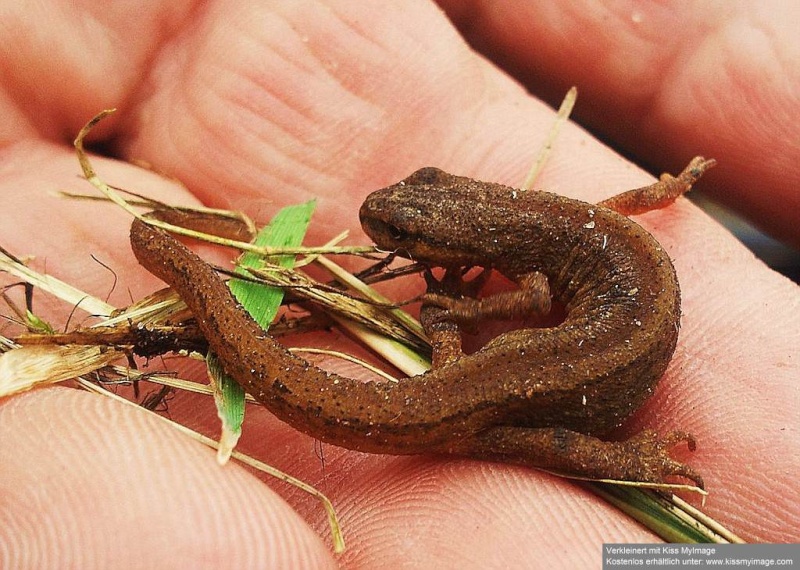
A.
pixel 395 232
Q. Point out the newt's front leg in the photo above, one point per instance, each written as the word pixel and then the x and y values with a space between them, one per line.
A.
pixel 662 193
pixel 533 298
pixel 450 305
pixel 444 332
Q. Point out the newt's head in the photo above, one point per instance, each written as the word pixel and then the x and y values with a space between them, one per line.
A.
pixel 431 217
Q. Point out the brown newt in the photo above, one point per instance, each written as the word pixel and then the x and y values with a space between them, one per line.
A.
pixel 534 396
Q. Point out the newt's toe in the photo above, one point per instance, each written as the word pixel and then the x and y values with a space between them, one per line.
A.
pixel 654 460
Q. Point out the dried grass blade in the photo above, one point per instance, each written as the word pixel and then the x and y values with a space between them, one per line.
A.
pixel 55 287
pixel 30 366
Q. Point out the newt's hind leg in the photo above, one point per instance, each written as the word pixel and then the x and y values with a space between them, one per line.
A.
pixel 662 193
pixel 642 458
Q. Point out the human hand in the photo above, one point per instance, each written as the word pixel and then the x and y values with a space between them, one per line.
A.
pixel 258 106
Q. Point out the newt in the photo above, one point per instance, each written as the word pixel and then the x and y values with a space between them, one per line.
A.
pixel 539 397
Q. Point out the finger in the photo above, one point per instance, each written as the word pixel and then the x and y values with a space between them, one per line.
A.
pixel 666 84
pixel 90 483
pixel 100 62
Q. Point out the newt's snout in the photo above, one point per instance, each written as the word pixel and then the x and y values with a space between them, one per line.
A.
pixel 386 221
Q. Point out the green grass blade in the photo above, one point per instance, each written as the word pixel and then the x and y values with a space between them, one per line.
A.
pixel 287 229
pixel 656 513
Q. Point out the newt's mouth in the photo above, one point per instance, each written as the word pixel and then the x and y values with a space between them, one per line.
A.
pixel 390 237
pixel 384 234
